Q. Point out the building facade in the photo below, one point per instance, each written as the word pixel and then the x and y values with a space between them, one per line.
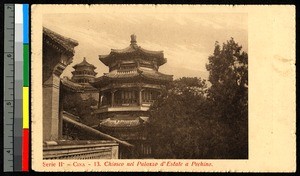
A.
pixel 127 92
pixel 58 52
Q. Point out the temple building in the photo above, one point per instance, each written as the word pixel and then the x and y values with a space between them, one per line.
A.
pixel 84 72
pixel 85 117
pixel 126 93
pixel 58 52
pixel 82 75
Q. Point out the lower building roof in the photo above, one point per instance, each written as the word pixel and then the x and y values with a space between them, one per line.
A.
pixel 72 86
pixel 69 118
pixel 123 121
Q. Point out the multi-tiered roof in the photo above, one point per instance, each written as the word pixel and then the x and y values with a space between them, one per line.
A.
pixel 133 50
pixel 85 64
pixel 84 72
pixel 133 63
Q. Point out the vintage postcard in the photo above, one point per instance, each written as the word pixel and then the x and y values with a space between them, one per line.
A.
pixel 180 88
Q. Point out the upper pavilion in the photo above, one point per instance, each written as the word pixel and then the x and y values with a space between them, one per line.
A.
pixel 132 63
pixel 84 72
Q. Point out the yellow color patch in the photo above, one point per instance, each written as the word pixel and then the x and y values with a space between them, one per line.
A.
pixel 25 107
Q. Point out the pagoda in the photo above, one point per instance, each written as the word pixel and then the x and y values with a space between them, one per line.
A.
pixel 126 93
pixel 84 72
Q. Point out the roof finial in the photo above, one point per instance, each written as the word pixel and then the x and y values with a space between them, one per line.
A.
pixel 84 58
pixel 133 39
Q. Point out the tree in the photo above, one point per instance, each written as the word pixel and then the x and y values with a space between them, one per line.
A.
pixel 82 107
pixel 75 104
pixel 176 120
pixel 228 74
pixel 193 120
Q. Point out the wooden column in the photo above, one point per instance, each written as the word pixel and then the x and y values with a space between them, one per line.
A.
pixel 100 100
pixel 140 96
pixel 112 98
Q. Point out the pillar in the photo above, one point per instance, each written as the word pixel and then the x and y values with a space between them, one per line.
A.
pixel 61 109
pixel 51 96
pixel 112 98
pixel 140 96
pixel 100 100
pixel 51 108
pixel 115 152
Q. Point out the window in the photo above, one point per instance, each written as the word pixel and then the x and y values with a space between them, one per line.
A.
pixel 149 96
pixel 126 97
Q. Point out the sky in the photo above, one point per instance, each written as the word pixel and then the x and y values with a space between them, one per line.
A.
pixel 187 39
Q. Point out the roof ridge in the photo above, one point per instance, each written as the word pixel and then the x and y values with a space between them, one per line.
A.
pixel 72 41
pixel 84 62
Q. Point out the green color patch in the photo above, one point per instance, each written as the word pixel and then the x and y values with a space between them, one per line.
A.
pixel 25 65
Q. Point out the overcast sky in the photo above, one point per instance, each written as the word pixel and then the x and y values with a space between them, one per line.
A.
pixel 186 39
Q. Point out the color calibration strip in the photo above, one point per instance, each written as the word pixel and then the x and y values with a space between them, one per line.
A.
pixel 21 121
pixel 16 88
pixel 25 142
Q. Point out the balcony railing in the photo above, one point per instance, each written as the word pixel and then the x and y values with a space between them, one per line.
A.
pixel 143 107
pixel 126 102
pixel 100 150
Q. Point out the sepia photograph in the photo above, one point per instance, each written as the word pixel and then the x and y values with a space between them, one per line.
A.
pixel 123 87
pixel 152 86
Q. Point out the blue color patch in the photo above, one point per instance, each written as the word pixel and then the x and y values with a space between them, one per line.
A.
pixel 25 24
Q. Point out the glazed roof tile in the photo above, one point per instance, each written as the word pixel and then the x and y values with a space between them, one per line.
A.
pixel 75 86
pixel 121 121
pixel 150 74
pixel 67 43
pixel 133 48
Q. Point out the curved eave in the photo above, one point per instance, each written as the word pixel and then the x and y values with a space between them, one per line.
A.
pixel 78 65
pixel 67 44
pixel 74 73
pixel 105 59
pixel 124 125
pixel 75 87
pixel 108 59
pixel 104 80
pixel 120 127
pixel 118 122
pixel 166 79
pixel 71 88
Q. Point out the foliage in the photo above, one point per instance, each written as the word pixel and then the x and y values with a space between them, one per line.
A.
pixel 193 120
pixel 228 74
pixel 75 104
pixel 176 116
pixel 228 68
